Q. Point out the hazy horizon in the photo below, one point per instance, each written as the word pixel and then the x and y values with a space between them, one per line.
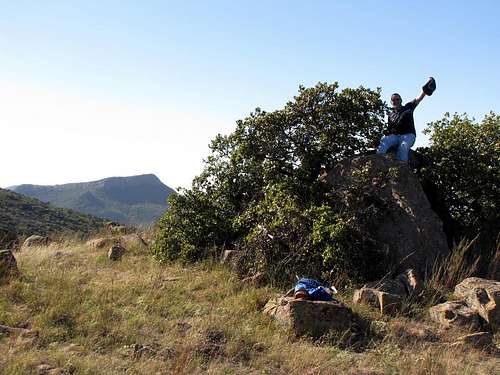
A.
pixel 91 90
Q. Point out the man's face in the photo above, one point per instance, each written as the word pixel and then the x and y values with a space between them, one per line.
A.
pixel 396 101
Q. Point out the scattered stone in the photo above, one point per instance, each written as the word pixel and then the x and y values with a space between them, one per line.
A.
pixel 387 303
pixel 313 318
pixel 483 296
pixel 8 264
pixel 455 313
pixel 36 240
pixel 479 340
pixel 116 252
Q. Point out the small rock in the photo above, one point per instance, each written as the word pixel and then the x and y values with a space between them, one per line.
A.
pixel 313 318
pixel 8 264
pixel 387 303
pixel 479 340
pixel 116 252
pixel 36 240
pixel 482 295
pixel 455 313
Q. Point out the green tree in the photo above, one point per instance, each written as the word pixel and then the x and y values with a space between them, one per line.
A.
pixel 464 167
pixel 273 154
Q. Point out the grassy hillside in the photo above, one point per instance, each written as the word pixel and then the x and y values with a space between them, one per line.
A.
pixel 87 315
pixel 134 200
pixel 26 216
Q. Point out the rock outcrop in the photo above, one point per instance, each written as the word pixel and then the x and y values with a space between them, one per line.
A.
pixel 483 296
pixel 313 318
pixel 388 202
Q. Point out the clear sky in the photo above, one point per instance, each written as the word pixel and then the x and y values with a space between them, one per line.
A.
pixel 93 89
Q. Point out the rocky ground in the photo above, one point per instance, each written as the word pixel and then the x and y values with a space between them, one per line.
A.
pixel 84 308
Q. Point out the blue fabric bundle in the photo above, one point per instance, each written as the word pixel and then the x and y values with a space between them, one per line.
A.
pixel 316 291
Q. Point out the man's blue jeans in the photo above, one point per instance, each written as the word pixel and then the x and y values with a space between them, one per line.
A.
pixel 403 143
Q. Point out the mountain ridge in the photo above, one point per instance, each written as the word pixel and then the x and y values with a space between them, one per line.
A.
pixel 133 200
pixel 25 216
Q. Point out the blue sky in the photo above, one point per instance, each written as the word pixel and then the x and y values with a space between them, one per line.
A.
pixel 92 89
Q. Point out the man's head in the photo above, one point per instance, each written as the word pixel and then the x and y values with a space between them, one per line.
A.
pixel 396 100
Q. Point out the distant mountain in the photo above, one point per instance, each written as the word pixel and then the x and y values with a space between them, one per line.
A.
pixel 135 200
pixel 26 216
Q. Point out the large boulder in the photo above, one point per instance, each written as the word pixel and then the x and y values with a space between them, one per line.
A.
pixel 455 314
pixel 483 296
pixel 389 204
pixel 8 264
pixel 314 318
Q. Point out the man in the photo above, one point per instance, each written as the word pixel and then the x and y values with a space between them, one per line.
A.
pixel 401 126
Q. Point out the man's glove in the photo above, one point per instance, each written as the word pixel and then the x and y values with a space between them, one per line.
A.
pixel 429 87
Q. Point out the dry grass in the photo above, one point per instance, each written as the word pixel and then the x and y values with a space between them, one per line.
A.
pixel 135 316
